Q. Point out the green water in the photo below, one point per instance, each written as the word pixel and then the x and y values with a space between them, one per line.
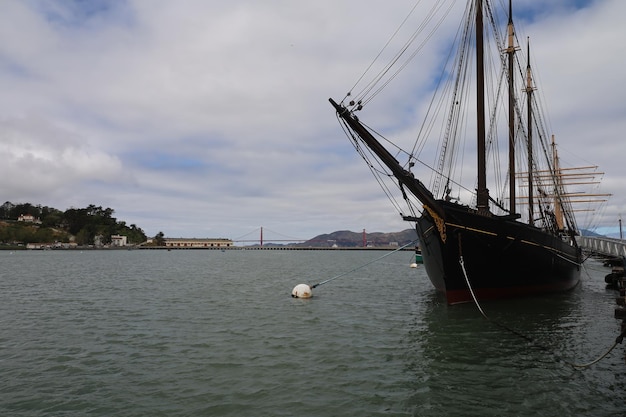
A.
pixel 208 333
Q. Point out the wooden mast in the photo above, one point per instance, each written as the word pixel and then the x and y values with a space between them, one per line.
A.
pixel 510 51
pixel 558 209
pixel 482 197
pixel 529 95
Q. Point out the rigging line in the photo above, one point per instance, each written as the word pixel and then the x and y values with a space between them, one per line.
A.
pixel 410 156
pixel 400 150
pixel 387 68
pixel 458 88
pixel 455 128
pixel 364 265
pixel 375 80
pixel 377 174
pixel 412 208
pixel 385 46
pixel 618 340
pixel 461 186
pixel 408 201
pixel 411 57
pixel 441 79
pixel 354 141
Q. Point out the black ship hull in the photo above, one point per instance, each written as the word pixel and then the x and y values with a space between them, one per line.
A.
pixel 502 257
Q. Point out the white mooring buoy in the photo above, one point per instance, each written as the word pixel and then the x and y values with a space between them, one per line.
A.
pixel 302 291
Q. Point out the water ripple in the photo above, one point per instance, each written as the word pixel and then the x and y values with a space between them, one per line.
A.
pixel 135 333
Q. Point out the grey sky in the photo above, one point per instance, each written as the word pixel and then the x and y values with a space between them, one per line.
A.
pixel 210 118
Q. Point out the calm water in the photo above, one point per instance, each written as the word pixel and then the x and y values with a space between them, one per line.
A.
pixel 208 333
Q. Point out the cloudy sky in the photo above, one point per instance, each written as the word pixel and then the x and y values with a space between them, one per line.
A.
pixel 209 118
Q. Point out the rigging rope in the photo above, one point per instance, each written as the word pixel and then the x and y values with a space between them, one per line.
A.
pixel 376 172
pixel 618 340
pixel 385 76
pixel 364 265
pixel 384 47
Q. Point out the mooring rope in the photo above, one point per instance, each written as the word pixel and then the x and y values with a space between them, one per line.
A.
pixel 618 340
pixel 482 312
pixel 364 265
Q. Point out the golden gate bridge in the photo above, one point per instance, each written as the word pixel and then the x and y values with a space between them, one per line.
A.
pixel 262 239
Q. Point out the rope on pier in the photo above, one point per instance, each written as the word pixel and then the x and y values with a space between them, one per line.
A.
pixel 618 340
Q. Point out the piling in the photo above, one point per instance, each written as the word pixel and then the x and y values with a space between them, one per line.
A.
pixel 617 280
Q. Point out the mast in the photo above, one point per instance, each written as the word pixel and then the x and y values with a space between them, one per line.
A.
pixel 529 94
pixel 510 51
pixel 558 209
pixel 482 197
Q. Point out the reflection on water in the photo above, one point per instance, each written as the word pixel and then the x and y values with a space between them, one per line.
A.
pixel 471 366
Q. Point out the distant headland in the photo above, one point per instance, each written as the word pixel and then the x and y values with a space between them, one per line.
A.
pixel 33 226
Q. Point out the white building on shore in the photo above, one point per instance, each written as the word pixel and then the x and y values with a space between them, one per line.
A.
pixel 118 240
pixel 192 243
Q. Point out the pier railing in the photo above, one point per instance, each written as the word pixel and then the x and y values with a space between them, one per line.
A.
pixel 603 245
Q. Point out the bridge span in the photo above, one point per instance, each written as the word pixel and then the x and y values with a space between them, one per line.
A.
pixel 603 245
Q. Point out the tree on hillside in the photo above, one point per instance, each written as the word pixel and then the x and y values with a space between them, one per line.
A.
pixel 82 223
pixel 135 234
pixel 159 239
pixel 52 219
pixel 92 217
pixel 5 210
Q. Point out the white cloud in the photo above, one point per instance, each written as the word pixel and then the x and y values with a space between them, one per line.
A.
pixel 198 118
pixel 39 158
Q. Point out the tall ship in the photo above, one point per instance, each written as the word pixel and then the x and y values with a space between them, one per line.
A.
pixel 486 229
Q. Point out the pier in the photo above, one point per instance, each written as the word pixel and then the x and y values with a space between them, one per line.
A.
pixel 616 249
pixel 279 248
pixel 603 246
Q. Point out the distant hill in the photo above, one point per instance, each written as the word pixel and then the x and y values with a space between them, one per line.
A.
pixel 346 238
pixel 585 232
